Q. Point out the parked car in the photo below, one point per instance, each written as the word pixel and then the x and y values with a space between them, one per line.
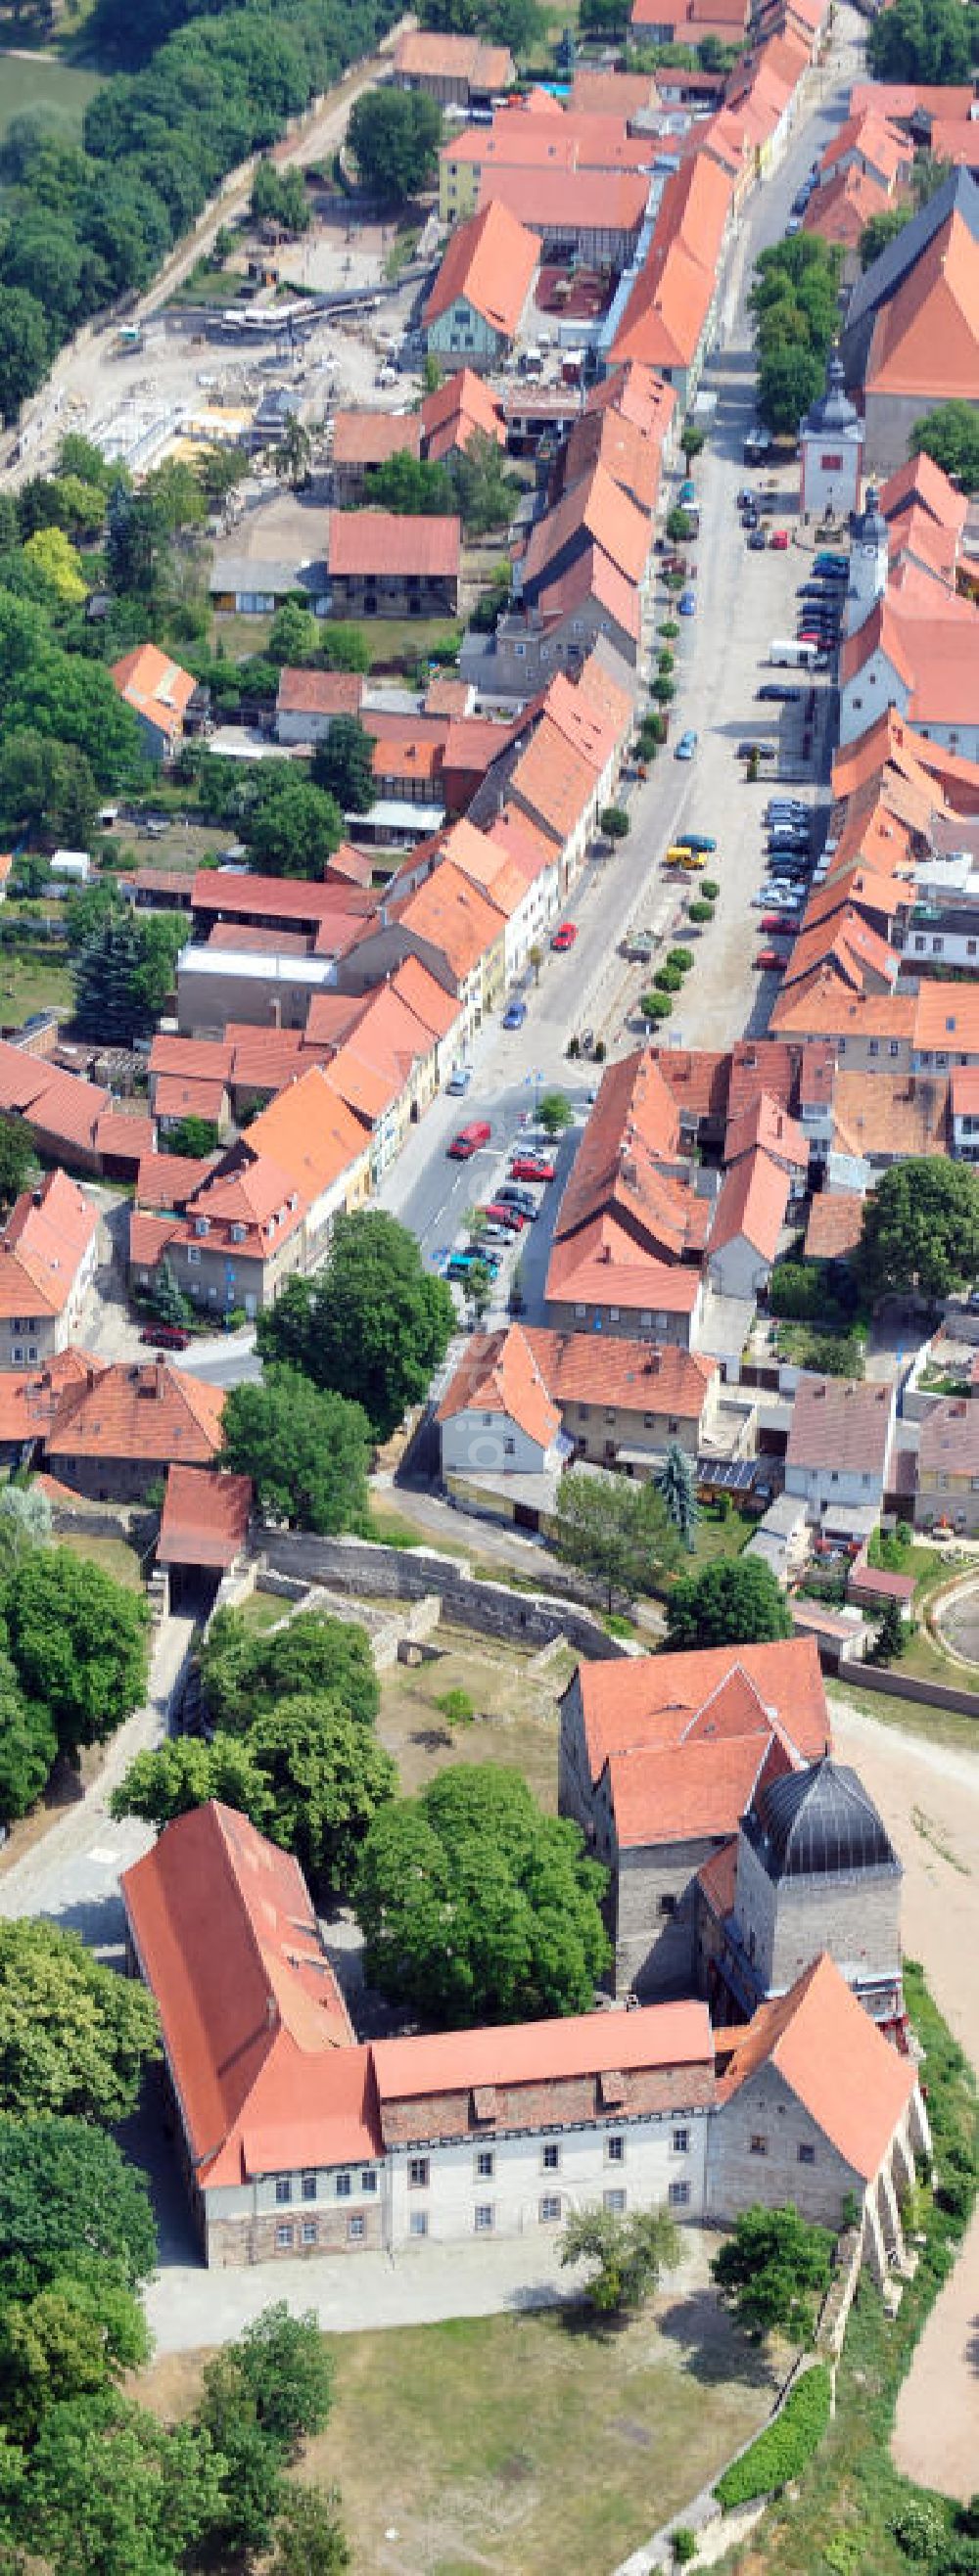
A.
pixel 779 540
pixel 696 841
pixel 764 750
pixel 510 1195
pixel 515 1014
pixel 775 898
pixel 778 692
pixel 469 1140
pixel 687 603
pixel 770 961
pixel 165 1337
pixel 756 539
pixel 565 935
pixel 531 1167
pixel 832 563
pixel 500 1213
pixel 460 1265
pixel 459 1079
pixel 685 748
pixel 772 922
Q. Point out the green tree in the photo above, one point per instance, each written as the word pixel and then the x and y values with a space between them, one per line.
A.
pixel 930 41
pixel 185 1773
pixel 345 647
pixel 60 563
pixel 28 1746
pixel 483 489
pixel 920 1230
pixel 305 1448
pixel 614 822
pixel 69 2199
pixel 104 974
pixel 243 1673
pixel 47 785
pixel 343 764
pixel 16 1160
pixel 292 828
pixel 294 635
pixel 676 1484
pixel 279 197
pixel 294 453
pixel 554 1112
pixel 691 440
pixel 372 1324
pixel 736 1602
pixel 113 2493
pixel 325 1779
pixel 25 348
pixel 615 1530
pixel 74 2037
pixel 394 136
pixel 196 1137
pixel 788 383
pixel 878 232
pixel 410 486
pixel 309 2538
pixel 950 435
pixel 772 2271
pixel 253 2485
pixel 168 1299
pixel 285 2372
pixel 891 1638
pixel 73 2338
pixel 628 2253
pixel 475 1907
pixel 79 1643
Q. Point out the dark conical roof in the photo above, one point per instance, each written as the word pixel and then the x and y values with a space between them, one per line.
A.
pixel 833 409
pixel 871 527
pixel 818 1823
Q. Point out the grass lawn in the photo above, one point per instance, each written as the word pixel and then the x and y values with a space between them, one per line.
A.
pixel 261 1610
pixel 913 1717
pixel 239 636
pixel 112 1554
pixel 525 2447
pixel 516 1717
pixel 58 87
pixel 395 643
pixel 38 983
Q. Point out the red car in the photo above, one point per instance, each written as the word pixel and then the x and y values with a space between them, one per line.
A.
pixel 500 1212
pixel 528 1167
pixel 470 1139
pixel 566 935
pixel 779 539
pixel 770 960
pixel 165 1337
pixel 775 926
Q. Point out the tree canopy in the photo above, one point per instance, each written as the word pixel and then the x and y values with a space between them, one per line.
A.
pixel 929 41
pixel 69 2199
pixel 343 764
pixel 394 136
pixel 79 1643
pixel 373 1324
pixel 950 434
pixel 243 1673
pixel 476 1907
pixel 735 1602
pixel 618 1531
pixel 772 2271
pixel 74 2036
pixel 628 2252
pixel 305 1448
pixel 921 1229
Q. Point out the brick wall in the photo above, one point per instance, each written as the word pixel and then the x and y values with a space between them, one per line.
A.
pixel 236 2241
pixel 572 2102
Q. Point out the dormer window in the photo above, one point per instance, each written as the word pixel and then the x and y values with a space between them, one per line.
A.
pixel 202 1225
pixel 237 1234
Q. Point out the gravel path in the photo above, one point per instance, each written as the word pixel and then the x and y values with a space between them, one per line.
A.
pixel 929 1799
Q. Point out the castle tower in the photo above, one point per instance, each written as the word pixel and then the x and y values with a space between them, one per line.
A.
pixel 868 564
pixel 830 452
pixel 816 1871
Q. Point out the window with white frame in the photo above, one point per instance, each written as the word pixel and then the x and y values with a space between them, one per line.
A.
pixel 418 2169
pixel 614 2202
pixel 368 2179
pixel 418 2222
pixel 283 2188
pixel 550 2208
pixel 342 2184
pixel 310 2231
pixel 309 2186
pixel 615 2148
pixel 485 2164
pixel 355 2228
pixel 550 2156
pixel 283 2239
pixel 483 2218
pixel 680 2142
pixel 679 2195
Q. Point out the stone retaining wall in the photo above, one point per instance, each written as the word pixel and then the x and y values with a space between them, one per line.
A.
pixel 362 1567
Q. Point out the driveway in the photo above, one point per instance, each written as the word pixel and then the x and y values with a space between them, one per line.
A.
pixel 929 1799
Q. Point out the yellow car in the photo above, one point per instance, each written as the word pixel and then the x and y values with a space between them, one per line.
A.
pixel 680 857
pixel 692 859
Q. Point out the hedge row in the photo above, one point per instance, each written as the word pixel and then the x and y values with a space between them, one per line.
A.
pixel 782 2451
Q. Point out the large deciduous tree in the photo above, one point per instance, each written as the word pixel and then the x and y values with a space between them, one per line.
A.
pixel 772 2270
pixel 735 1603
pixel 305 1448
pixel 373 1324
pixel 950 434
pixel 69 2199
pixel 394 136
pixel 615 1530
pixel 111 2492
pixel 343 764
pixel 79 1643
pixel 921 1229
pixel 74 2037
pixel 477 1907
pixel 627 2252
pixel 243 1673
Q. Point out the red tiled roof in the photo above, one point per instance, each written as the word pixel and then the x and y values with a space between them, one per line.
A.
pixel 583 200
pixel 499 1373
pixel 687 1792
pixel 752 1202
pixel 840 1423
pixel 926 338
pixel 141 1411
pixel 371 542
pixel 319 693
pixel 310 1133
pixel 540 2052
pixel 668 1698
pixel 155 687
pixel 287 899
pixel 42 1246
pixel 371 437
pixel 166 1181
pixel 491 262
pixel 830 2054
pixel 835 1225
pixel 29 1399
pixel 603 514
pixel 205 1518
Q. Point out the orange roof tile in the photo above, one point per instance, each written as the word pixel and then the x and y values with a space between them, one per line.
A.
pixel 593 575
pixel 926 337
pixel 436 1009
pixel 923 481
pixel 199 1059
pixel 29 1398
pixel 138 1412
pixel 717 1877
pixel 319 693
pixel 608 438
pixel 490 262
pixel 155 687
pixel 372 437
pixel 895 1114
pixel 256 2033
pixel 751 1203
pixel 766 1124
pixel 583 200
pixel 637 1377
pixel 165 1181
pixel 835 1225
pixel 828 2051
pixel 540 2052
pixel 205 1517
pixel 685 1793
pixel 604 514
pixel 946 1019
pixel 841 1423
pixel 667 1698
pixel 370 542
pixel 499 1373
pixel 603 1265
pixel 43 1245
pixel 555 779
pixel 308 1131
pixel 291 900
pixel 453 916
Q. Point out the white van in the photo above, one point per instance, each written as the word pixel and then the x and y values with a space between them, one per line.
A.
pixel 793 655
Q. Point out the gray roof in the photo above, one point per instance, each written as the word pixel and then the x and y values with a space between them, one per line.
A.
pixel 958 194
pixel 818 1823
pixel 833 411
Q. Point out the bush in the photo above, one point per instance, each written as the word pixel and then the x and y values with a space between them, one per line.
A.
pixel 684 2544
pixel 678 527
pixel 664 661
pixel 681 958
pixel 670 627
pixel 782 2451
pixel 457 1706
pixel 700 910
pixel 920 2527
pixel 614 822
pixel 709 887
pixel 667 979
pixel 664 690
pixel 655 1006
